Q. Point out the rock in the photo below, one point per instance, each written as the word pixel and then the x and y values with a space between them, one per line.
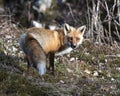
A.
pixel 69 70
pixel 41 5
pixel 61 81
pixel 95 73
pixel 72 59
pixel 87 71
pixel 36 24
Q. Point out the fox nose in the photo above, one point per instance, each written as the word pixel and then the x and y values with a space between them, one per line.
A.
pixel 73 46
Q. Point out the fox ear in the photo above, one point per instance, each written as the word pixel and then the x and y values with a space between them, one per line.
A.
pixel 66 28
pixel 82 29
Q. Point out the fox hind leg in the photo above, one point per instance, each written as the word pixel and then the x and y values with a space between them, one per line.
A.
pixel 28 62
pixel 29 66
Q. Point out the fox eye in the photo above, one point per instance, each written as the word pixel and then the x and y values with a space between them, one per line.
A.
pixel 70 38
pixel 77 38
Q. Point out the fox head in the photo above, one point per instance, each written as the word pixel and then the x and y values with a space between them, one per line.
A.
pixel 73 37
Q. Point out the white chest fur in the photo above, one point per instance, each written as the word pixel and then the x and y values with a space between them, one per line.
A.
pixel 67 50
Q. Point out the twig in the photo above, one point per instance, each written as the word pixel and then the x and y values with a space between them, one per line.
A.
pixel 117 55
pixel 71 13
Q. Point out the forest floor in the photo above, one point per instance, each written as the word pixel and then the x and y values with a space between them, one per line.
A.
pixel 93 69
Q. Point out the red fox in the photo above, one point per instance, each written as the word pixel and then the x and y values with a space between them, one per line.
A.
pixel 38 44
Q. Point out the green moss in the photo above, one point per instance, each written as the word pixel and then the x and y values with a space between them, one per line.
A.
pixel 59 73
pixel 102 58
pixel 3 76
pixel 60 67
pixel 116 61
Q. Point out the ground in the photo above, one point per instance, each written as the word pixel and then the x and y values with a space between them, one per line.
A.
pixel 93 69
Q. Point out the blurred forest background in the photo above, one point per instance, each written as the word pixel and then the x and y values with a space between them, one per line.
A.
pixel 91 70
pixel 102 17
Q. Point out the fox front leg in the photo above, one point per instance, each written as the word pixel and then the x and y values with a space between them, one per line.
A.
pixel 51 62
